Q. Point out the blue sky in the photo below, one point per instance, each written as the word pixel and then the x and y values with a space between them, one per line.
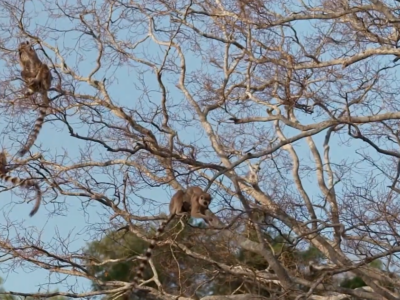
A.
pixel 75 223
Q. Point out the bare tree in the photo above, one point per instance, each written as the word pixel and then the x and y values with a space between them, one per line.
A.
pixel 286 112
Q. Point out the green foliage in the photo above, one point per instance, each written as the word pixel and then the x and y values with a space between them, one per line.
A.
pixel 352 283
pixel 123 246
pixel 290 257
pixel 376 264
pixel 283 249
pixel 312 253
pixel 356 281
pixel 173 264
